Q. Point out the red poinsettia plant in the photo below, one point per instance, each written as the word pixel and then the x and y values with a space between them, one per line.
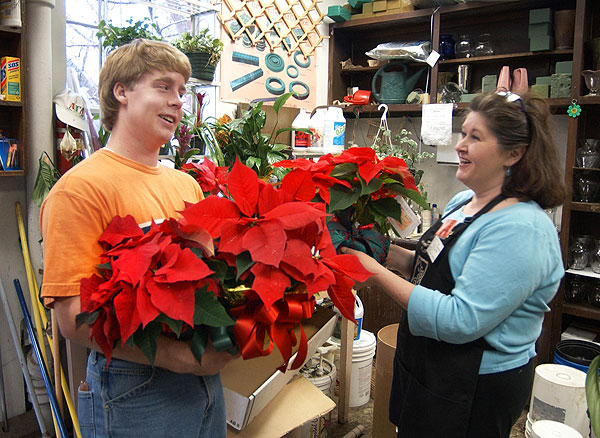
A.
pixel 360 190
pixel 240 268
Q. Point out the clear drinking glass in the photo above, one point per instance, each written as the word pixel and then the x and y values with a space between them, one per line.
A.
pixel 580 252
pixel 484 45
pixel 465 47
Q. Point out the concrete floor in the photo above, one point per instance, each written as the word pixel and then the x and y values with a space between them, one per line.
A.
pixel 363 415
pixel 25 426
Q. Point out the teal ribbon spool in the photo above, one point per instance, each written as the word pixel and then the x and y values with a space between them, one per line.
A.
pixel 299 96
pixel 275 90
pixel 289 69
pixel 304 64
pixel 274 62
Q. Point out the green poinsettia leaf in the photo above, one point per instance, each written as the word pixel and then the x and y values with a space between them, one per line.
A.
pixel 209 311
pixel 86 318
pixel 243 262
pixel 387 207
pixel 219 267
pixel 344 169
pixel 176 326
pixel 592 393
pixel 129 342
pixel 342 197
pixel 411 194
pixel 105 266
pixel 374 185
pixel 145 340
pixel 198 344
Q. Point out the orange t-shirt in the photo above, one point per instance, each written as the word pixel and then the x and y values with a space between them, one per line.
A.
pixel 84 201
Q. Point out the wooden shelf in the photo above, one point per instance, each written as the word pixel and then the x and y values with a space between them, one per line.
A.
pixel 10 103
pixel 589 207
pixel 12 173
pixel 581 310
pixel 10 29
pixel 508 57
pixel 371 111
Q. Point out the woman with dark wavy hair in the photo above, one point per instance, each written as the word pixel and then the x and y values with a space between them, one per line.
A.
pixel 481 279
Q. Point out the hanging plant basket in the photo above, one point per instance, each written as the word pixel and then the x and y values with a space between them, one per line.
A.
pixel 201 69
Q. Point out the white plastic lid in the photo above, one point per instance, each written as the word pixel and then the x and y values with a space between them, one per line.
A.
pixel 553 429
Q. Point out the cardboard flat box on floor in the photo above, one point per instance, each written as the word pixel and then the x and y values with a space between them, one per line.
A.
pixel 249 385
pixel 296 404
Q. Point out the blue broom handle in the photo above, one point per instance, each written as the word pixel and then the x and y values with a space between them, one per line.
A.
pixel 40 361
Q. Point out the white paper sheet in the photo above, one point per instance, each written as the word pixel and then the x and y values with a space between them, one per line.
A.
pixel 436 127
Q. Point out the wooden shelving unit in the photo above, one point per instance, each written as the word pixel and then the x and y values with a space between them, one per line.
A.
pixel 508 24
pixel 12 114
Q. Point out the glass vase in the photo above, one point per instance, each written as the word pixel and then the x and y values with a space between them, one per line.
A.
pixel 447 47
pixel 594 258
pixel 579 252
pixel 464 47
pixel 484 45
pixel 576 290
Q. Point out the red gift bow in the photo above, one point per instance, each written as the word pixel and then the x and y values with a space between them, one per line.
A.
pixel 254 320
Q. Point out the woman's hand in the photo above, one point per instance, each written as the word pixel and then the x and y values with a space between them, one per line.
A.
pixel 394 285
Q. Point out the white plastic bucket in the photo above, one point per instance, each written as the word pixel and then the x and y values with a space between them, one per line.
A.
pixel 558 395
pixel 326 383
pixel 363 351
pixel 553 429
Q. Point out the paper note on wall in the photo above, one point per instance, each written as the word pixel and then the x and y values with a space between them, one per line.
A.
pixel 436 127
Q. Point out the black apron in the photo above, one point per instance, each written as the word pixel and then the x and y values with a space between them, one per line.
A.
pixel 434 382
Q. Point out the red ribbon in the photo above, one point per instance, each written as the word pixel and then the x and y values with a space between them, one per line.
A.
pixel 254 321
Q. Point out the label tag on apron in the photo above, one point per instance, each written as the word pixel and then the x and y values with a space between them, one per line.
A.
pixel 435 248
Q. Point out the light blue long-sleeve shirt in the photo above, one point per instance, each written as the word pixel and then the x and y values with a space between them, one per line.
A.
pixel 507 267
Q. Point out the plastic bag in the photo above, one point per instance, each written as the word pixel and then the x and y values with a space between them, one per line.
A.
pixel 408 51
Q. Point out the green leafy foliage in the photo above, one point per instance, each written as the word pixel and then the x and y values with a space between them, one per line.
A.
pixel 202 42
pixel 592 393
pixel 402 146
pixel 115 36
pixel 47 176
pixel 248 143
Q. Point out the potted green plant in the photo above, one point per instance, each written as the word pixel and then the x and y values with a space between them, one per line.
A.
pixel 243 139
pixel 115 36
pixel 203 51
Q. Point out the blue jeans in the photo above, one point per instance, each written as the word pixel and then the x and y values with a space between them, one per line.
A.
pixel 130 400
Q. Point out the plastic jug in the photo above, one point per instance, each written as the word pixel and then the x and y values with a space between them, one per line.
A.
pixel 359 312
pixel 300 139
pixel 334 131
pixel 316 126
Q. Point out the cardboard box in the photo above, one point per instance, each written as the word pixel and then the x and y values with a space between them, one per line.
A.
pixel 298 403
pixel 249 385
pixel 379 5
pixel 10 78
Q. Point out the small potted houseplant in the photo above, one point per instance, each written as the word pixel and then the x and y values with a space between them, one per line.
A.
pixel 203 51
pixel 115 36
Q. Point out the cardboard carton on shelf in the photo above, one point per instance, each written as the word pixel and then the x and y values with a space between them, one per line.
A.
pixel 249 385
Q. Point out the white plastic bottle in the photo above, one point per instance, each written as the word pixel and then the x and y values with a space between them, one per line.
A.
pixel 301 140
pixel 334 132
pixel 316 126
